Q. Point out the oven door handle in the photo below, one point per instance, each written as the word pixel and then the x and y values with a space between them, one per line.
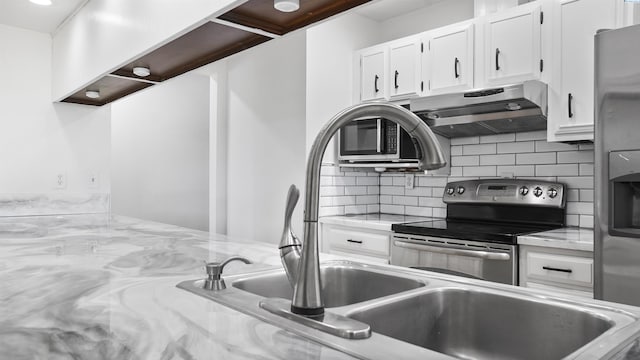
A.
pixel 486 255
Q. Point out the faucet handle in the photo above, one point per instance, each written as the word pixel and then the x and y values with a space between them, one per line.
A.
pixel 214 279
pixel 288 238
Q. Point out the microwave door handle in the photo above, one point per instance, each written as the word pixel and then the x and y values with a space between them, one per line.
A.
pixel 486 255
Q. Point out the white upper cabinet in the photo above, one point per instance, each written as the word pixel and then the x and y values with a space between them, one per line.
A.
pixel 373 73
pixel 404 70
pixel 448 59
pixel 571 106
pixel 512 45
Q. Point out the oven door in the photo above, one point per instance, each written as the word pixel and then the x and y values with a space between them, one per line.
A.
pixel 472 259
pixel 362 138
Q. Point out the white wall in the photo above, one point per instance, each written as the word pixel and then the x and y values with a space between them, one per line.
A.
pixel 160 153
pixel 39 139
pixel 330 83
pixel 431 17
pixel 263 90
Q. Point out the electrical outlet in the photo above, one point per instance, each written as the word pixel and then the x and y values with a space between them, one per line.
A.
pixel 93 180
pixel 60 181
pixel 409 180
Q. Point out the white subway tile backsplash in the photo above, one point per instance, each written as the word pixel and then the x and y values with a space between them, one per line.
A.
pixel 532 135
pixel 433 181
pixel 479 149
pixel 521 155
pixel 431 202
pixel 516 170
pixel 536 158
pixel 392 209
pixel 391 190
pixel 465 160
pixel 503 159
pixel 418 191
pixel 465 140
pixel 571 157
pixel 557 170
pixel 344 180
pixel 516 147
pixel 586 169
pixel 479 171
pixel 355 190
pixel 418 211
pixel 398 181
pixel 580 208
pixel 586 195
pixel 497 138
pixel 355 209
pixel 542 145
pixel 366 180
pixel 386 181
pixel 405 200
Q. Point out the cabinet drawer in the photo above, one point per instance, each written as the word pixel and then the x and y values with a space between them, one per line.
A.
pixel 358 242
pixel 560 268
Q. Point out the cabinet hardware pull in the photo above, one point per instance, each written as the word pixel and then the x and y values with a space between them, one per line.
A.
pixel 375 83
pixel 570 110
pixel 497 59
pixel 568 271
pixel 354 241
pixel 456 62
pixel 396 79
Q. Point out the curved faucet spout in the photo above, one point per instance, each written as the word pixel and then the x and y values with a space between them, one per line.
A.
pixel 307 296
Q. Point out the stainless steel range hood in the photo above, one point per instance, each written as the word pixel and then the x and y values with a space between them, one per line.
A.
pixel 511 108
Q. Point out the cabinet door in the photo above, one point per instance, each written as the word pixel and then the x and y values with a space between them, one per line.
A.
pixel 575 24
pixel 373 64
pixel 448 60
pixel 512 45
pixel 404 74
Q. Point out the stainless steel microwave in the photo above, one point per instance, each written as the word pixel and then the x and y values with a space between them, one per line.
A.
pixel 375 140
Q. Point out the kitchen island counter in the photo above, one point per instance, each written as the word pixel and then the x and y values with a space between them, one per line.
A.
pixel 103 287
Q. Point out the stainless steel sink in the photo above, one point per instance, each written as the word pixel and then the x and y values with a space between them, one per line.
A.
pixel 422 315
pixel 342 285
pixel 480 325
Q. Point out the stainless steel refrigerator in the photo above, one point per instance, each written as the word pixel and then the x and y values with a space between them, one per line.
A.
pixel 617 165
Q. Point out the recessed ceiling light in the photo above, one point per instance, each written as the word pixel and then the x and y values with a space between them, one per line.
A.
pixel 286 5
pixel 141 71
pixel 92 94
pixel 41 2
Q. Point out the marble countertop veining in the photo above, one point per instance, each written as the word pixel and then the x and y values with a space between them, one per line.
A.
pixel 103 287
pixel 572 238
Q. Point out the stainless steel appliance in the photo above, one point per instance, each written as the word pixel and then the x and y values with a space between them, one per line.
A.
pixel 511 108
pixel 617 165
pixel 375 140
pixel 478 238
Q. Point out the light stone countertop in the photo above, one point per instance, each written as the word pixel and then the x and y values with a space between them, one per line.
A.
pixel 103 287
pixel 572 238
pixel 381 222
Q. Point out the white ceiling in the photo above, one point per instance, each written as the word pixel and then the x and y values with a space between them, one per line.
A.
pixel 46 19
pixel 382 10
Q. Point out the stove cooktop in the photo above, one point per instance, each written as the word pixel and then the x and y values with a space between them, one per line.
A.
pixel 504 233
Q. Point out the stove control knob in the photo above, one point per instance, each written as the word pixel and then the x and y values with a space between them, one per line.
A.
pixel 524 191
pixel 460 190
pixel 537 191
pixel 552 193
pixel 450 191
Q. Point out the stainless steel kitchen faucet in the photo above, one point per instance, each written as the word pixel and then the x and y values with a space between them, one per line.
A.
pixel 307 294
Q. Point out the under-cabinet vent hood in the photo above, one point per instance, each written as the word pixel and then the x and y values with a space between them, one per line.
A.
pixel 512 108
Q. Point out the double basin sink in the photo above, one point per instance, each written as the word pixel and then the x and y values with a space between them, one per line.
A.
pixel 414 314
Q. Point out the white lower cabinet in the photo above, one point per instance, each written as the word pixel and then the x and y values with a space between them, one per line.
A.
pixel 561 270
pixel 356 242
